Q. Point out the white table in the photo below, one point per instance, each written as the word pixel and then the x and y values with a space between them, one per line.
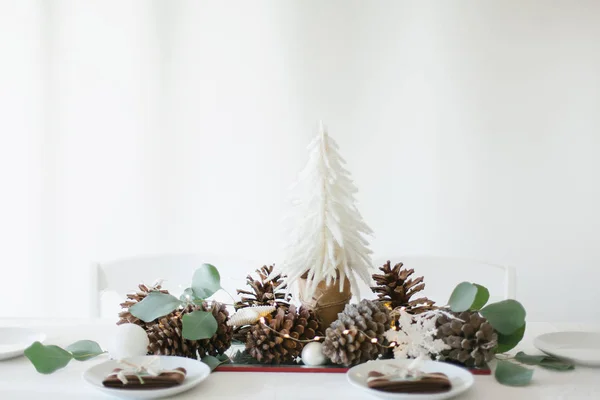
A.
pixel 19 380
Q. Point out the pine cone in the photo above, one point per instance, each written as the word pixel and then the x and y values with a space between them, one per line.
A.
pixel 268 347
pixel 472 342
pixel 166 338
pixel 395 289
pixel 368 318
pixel 125 316
pixel 221 340
pixel 264 292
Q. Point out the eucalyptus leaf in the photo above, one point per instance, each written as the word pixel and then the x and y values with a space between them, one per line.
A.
pixel 154 305
pixel 462 297
pixel 481 298
pixel 47 359
pixel 84 350
pixel 199 325
pixel 214 362
pixel 528 359
pixel 506 316
pixel 206 281
pixel 556 364
pixel 544 361
pixel 511 374
pixel 187 295
pixel 509 342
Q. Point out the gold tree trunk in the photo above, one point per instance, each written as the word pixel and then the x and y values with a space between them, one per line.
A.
pixel 327 301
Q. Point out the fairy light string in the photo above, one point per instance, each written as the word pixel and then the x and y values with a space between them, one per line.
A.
pixel 392 345
pixel 319 338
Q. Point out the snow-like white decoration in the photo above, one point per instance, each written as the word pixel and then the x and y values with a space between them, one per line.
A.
pixel 415 337
pixel 328 236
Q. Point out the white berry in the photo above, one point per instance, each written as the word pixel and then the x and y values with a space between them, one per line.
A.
pixel 130 340
pixel 312 354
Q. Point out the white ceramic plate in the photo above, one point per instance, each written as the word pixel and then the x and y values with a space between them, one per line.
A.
pixel 197 371
pixel 461 379
pixel 577 347
pixel 13 341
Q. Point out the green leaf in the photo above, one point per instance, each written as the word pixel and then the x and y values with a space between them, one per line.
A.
pixel 462 297
pixel 509 342
pixel 511 374
pixel 544 361
pixel 199 325
pixel 529 360
pixel 154 305
pixel 556 364
pixel 481 298
pixel 206 281
pixel 214 362
pixel 47 359
pixel 505 316
pixel 84 350
pixel 187 295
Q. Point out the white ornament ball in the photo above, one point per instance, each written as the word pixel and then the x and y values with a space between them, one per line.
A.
pixel 130 340
pixel 312 354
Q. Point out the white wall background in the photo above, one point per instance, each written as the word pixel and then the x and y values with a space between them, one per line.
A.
pixel 131 127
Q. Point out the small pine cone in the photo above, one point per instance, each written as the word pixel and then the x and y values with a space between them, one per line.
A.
pixel 265 291
pixel 311 325
pixel 268 347
pixel 221 340
pixel 472 342
pixel 125 316
pixel 166 338
pixel 367 318
pixel 396 289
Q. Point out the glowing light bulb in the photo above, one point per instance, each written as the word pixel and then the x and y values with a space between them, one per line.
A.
pixel 317 338
pixel 262 320
pixel 286 336
pixel 346 331
pixel 374 340
pixel 393 344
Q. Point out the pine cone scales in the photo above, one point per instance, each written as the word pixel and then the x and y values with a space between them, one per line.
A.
pixel 472 342
pixel 264 292
pixel 268 347
pixel 166 338
pixel 125 316
pixel 346 340
pixel 396 289
pixel 221 340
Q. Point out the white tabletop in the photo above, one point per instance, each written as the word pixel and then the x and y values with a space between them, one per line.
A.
pixel 19 380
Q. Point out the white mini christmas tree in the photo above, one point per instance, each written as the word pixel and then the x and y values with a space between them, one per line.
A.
pixel 328 234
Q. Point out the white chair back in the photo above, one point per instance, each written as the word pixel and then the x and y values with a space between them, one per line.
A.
pixel 442 274
pixel 176 270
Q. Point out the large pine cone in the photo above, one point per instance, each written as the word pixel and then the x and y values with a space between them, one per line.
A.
pixel 395 289
pixel 472 342
pixel 268 347
pixel 166 336
pixel 221 340
pixel 368 318
pixel 125 316
pixel 264 292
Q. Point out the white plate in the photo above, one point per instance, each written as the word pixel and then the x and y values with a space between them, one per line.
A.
pixel 13 341
pixel 461 379
pixel 577 347
pixel 197 371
